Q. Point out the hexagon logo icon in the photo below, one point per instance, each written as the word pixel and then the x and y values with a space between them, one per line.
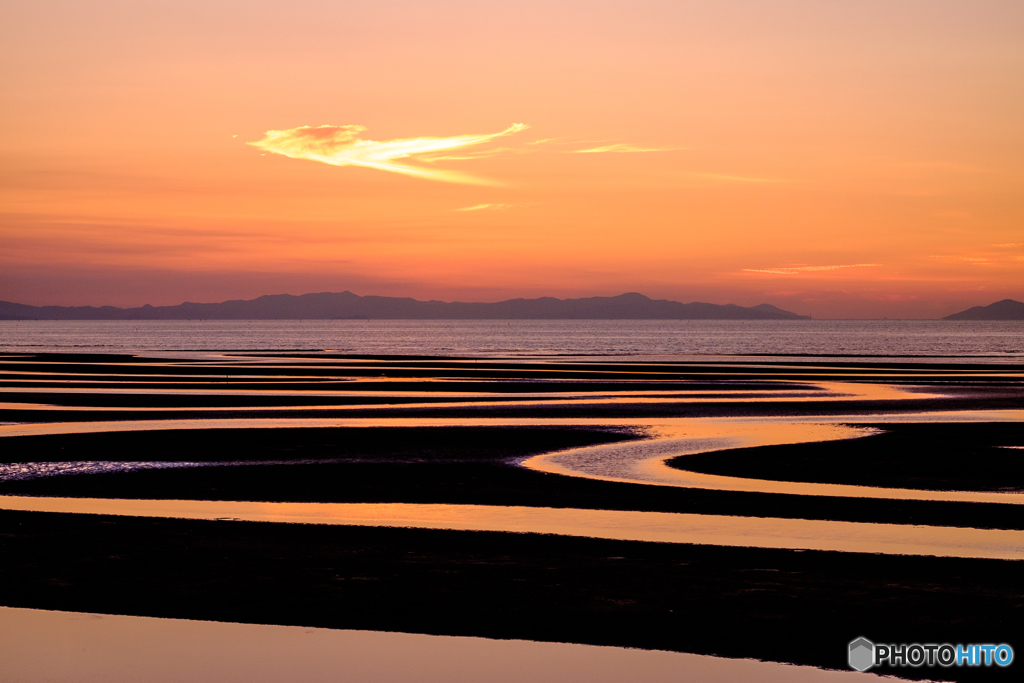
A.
pixel 862 654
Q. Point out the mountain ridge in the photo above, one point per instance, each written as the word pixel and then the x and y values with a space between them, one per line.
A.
pixel 1007 309
pixel 346 305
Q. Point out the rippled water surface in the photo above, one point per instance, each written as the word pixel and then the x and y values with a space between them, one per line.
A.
pixel 984 341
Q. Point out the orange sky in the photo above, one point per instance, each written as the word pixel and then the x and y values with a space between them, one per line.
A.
pixel 842 159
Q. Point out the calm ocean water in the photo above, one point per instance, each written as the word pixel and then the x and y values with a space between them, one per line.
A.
pixel 988 342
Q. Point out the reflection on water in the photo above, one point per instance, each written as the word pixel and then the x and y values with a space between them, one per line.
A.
pixel 20 471
pixel 663 527
pixel 644 461
pixel 33 470
pixel 786 391
pixel 636 462
pixel 70 647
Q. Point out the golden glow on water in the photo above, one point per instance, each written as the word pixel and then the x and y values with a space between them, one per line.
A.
pixel 828 392
pixel 645 461
pixel 641 461
pixel 820 391
pixel 72 647
pixel 635 462
pixel 662 527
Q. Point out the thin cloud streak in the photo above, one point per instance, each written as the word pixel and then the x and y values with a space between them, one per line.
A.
pixel 797 270
pixel 341 146
pixel 469 156
pixel 621 148
pixel 736 178
pixel 485 207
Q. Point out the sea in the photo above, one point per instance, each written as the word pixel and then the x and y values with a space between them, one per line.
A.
pixel 935 341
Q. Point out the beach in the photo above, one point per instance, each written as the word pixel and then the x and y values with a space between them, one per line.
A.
pixel 415 453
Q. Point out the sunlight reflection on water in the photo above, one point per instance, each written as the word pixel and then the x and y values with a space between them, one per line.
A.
pixel 72 647
pixel 644 462
pixel 636 462
pixel 662 527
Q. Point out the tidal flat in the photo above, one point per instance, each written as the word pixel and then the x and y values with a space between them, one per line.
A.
pixel 713 438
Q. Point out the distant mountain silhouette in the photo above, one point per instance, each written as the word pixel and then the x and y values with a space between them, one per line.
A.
pixel 346 305
pixel 1007 309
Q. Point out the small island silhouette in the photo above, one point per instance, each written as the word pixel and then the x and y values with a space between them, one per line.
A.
pixel 1007 309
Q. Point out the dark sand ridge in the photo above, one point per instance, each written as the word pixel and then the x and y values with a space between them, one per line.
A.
pixel 980 456
pixel 777 605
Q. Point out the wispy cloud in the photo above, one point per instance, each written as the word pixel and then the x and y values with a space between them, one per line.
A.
pixel 973 260
pixel 723 177
pixel 951 166
pixel 485 207
pixel 620 148
pixel 341 146
pixel 797 270
pixel 469 156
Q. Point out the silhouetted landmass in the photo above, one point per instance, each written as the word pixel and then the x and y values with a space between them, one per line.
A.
pixel 346 305
pixel 1007 309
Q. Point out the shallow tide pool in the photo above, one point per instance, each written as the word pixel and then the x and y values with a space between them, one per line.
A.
pixel 72 647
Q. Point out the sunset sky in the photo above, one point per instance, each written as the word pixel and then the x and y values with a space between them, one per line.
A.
pixel 839 159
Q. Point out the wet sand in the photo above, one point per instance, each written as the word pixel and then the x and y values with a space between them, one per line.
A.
pixel 427 465
pixel 662 459
pixel 937 457
pixel 777 605
pixel 447 432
